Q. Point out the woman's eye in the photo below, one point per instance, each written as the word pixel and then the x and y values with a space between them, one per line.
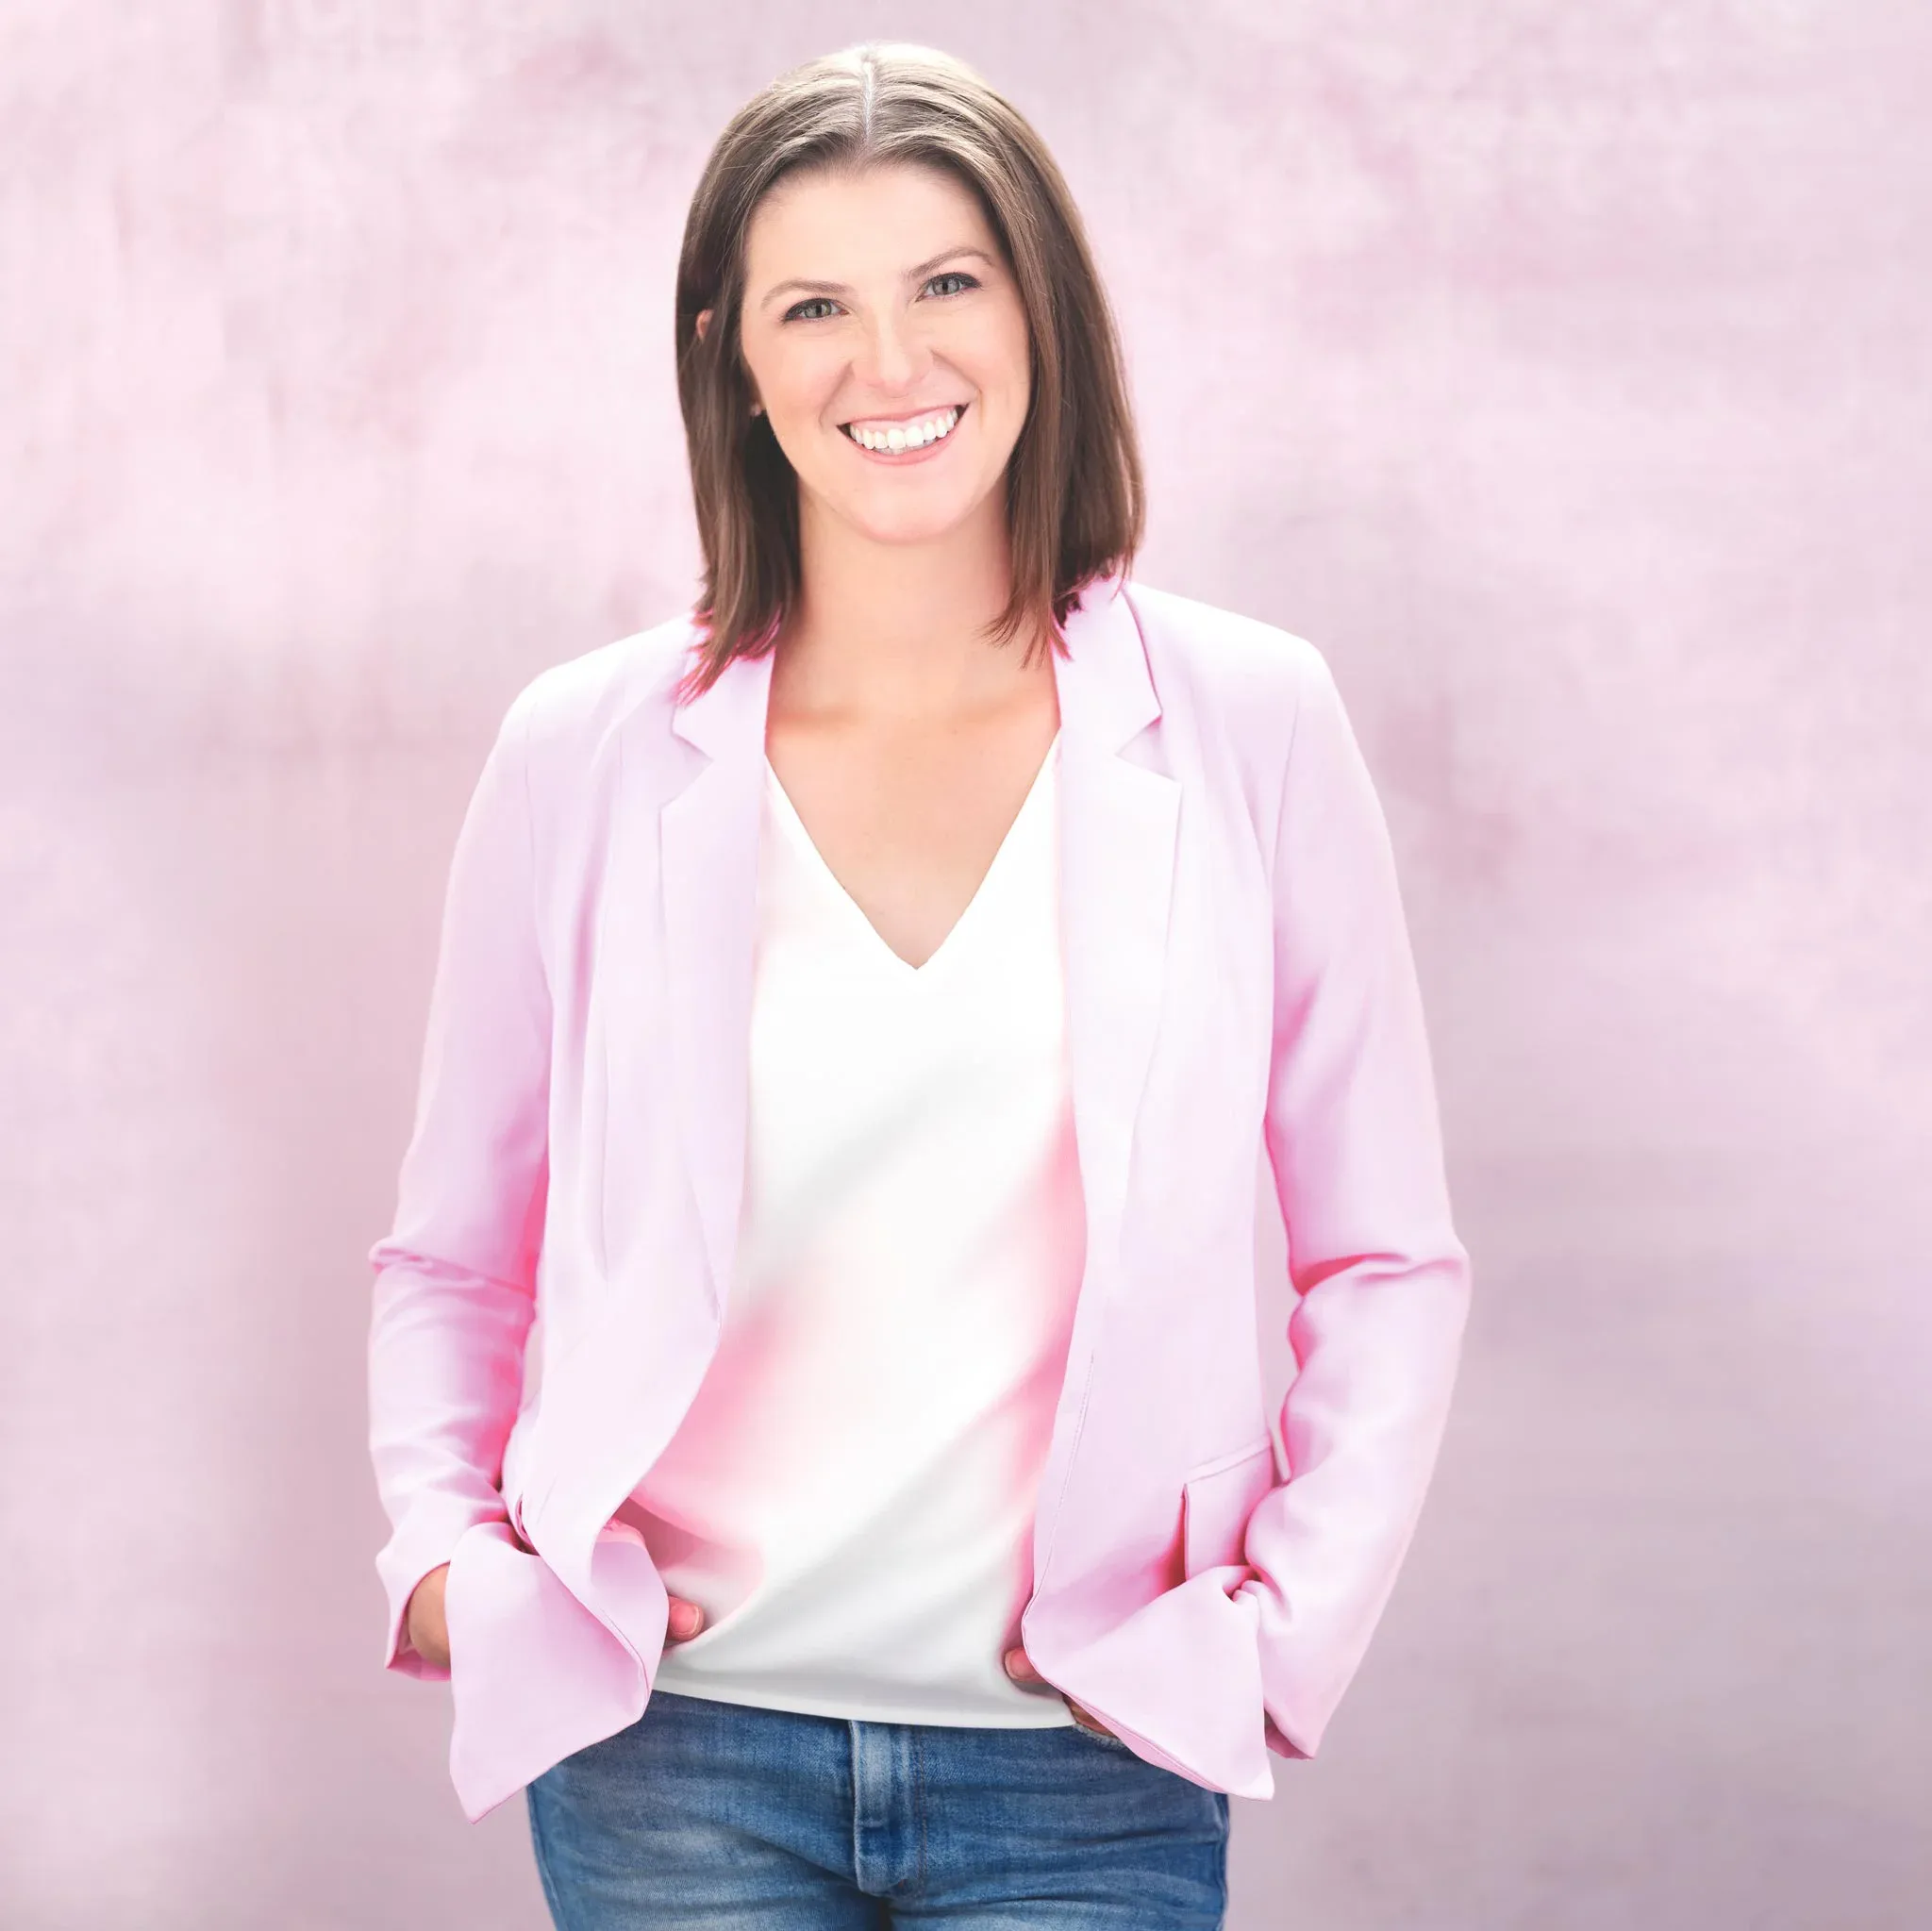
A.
pixel 817 307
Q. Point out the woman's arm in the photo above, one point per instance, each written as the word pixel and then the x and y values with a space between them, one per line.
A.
pixel 455 1280
pixel 1383 1283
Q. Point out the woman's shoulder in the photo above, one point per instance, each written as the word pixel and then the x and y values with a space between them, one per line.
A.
pixel 581 697
pixel 1242 665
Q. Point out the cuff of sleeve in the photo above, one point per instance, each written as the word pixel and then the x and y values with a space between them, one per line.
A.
pixel 418 1546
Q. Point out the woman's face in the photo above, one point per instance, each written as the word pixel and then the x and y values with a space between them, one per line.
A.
pixel 880 302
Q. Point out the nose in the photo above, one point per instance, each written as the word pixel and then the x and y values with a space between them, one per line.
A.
pixel 892 359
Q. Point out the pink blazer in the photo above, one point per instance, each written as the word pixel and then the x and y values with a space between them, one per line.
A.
pixel 1237 974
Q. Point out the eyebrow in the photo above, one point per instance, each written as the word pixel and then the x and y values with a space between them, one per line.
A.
pixel 918 274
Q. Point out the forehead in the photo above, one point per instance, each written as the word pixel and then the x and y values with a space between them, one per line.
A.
pixel 853 225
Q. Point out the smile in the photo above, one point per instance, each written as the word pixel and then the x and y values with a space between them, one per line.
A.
pixel 905 437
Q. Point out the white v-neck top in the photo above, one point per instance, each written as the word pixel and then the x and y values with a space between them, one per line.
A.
pixel 851 1495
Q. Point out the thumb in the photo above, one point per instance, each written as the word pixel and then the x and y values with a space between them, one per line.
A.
pixel 1019 1666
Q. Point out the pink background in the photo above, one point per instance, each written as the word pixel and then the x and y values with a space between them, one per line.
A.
pixel 1560 371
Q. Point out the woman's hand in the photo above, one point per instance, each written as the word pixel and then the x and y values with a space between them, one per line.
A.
pixel 430 1626
pixel 1020 1668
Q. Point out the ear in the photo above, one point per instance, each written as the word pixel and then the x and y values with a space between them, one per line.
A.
pixel 704 322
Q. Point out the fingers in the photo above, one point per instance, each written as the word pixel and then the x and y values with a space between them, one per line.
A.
pixel 1020 1668
pixel 686 1619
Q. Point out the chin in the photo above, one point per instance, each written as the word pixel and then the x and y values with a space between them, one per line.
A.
pixel 926 526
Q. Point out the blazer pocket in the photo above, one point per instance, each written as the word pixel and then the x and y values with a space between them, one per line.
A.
pixel 1218 1499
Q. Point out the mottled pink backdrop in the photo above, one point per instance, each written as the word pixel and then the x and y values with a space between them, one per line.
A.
pixel 1562 370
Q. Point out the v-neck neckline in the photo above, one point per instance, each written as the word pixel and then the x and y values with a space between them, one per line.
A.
pixel 788 812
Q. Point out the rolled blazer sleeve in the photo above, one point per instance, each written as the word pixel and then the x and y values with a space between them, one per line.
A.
pixel 453 1293
pixel 1382 1283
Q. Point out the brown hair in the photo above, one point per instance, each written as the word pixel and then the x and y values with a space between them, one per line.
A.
pixel 1074 494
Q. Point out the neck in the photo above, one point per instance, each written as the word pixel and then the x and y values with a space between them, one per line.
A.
pixel 895 631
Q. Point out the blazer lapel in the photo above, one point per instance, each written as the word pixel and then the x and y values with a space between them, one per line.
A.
pixel 708 842
pixel 1118 825
pixel 1118 822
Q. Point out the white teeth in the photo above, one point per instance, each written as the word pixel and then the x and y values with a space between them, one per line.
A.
pixel 907 435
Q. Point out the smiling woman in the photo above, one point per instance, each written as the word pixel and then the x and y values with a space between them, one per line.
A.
pixel 862 1002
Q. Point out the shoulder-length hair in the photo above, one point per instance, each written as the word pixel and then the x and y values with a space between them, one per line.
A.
pixel 1075 499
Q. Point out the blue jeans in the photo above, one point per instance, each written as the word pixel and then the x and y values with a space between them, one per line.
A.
pixel 715 1814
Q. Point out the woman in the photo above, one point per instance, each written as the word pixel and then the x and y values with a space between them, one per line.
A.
pixel 860 1009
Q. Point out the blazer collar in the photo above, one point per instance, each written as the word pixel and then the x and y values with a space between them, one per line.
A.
pixel 1118 821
